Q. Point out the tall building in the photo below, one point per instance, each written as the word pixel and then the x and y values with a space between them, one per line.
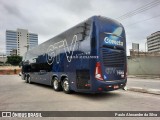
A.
pixel 20 41
pixel 153 42
pixel 11 41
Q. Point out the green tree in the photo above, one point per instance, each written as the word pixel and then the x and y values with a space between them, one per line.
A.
pixel 14 60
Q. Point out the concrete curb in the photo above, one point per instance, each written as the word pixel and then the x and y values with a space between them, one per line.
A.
pixel 144 90
pixel 144 77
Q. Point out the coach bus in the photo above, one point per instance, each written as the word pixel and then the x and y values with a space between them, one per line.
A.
pixel 89 57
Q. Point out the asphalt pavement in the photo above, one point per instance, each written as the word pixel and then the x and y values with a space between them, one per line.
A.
pixel 16 95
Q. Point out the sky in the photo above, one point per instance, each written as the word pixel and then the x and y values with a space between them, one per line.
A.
pixel 48 18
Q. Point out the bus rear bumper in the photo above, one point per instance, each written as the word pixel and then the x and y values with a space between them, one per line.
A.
pixel 110 85
pixel 104 86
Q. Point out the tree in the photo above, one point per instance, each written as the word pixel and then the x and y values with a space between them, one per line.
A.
pixel 14 60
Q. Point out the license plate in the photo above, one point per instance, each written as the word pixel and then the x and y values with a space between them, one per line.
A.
pixel 115 86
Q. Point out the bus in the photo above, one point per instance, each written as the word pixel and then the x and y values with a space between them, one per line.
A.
pixel 89 58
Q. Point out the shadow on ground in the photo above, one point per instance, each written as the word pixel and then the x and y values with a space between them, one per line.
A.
pixel 92 96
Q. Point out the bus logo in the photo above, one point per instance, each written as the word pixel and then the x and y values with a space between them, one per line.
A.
pixel 52 50
pixel 112 42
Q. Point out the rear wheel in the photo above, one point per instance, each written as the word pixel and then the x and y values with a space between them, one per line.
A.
pixel 56 84
pixel 29 79
pixel 26 79
pixel 66 86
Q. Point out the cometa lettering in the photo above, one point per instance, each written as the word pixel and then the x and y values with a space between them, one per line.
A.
pixel 113 42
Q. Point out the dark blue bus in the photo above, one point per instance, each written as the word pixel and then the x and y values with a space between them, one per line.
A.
pixel 90 58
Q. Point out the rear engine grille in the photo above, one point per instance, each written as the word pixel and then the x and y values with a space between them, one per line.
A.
pixel 113 58
pixel 83 77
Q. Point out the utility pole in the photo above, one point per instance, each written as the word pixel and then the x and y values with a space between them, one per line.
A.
pixel 3 59
pixel 27 46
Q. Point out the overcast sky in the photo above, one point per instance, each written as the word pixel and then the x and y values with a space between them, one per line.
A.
pixel 48 18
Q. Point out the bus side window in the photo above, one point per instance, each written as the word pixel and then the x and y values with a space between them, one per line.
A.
pixel 93 42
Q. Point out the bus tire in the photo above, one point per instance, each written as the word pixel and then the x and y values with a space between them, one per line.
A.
pixel 26 79
pixel 29 79
pixel 65 86
pixel 56 84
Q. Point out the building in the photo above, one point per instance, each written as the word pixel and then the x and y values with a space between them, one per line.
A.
pixel 153 42
pixel 13 52
pixel 3 58
pixel 135 46
pixel 11 41
pixel 20 41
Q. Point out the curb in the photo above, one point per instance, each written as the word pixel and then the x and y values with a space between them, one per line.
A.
pixel 144 77
pixel 144 90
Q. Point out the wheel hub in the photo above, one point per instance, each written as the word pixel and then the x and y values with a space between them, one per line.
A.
pixel 55 84
pixel 66 85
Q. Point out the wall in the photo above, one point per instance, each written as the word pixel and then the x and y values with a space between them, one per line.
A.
pixel 3 59
pixel 10 71
pixel 145 65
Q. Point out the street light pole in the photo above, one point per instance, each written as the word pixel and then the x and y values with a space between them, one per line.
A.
pixel 145 46
pixel 27 46
pixel 3 59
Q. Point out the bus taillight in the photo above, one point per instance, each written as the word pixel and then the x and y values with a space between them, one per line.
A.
pixel 98 72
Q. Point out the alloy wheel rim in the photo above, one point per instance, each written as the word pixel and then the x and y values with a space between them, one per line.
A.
pixel 55 84
pixel 66 85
